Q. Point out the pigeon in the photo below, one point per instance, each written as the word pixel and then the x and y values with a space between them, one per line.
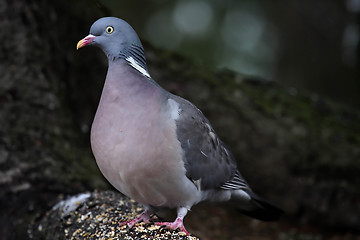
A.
pixel 155 147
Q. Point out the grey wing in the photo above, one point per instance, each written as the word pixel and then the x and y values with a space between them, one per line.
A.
pixel 207 159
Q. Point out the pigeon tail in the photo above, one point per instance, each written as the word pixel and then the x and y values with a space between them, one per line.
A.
pixel 262 209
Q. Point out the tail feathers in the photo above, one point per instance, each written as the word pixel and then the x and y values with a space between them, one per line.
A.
pixel 262 209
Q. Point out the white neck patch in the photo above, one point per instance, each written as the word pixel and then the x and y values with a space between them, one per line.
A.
pixel 135 65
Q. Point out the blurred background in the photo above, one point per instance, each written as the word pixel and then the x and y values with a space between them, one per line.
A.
pixel 305 44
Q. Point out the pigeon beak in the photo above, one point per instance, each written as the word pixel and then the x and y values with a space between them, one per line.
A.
pixel 85 41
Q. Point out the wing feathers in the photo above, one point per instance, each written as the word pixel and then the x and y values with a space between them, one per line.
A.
pixel 205 155
pixel 237 182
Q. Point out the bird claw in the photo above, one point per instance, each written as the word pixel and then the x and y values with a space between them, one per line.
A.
pixel 143 217
pixel 177 224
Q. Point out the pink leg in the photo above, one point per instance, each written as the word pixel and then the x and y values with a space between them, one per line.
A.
pixel 178 223
pixel 143 217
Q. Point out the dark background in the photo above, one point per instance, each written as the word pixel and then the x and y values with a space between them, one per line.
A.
pixel 308 44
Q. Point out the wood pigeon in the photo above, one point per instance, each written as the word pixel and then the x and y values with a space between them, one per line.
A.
pixel 155 147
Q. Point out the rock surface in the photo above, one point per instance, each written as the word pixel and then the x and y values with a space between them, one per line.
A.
pixel 97 216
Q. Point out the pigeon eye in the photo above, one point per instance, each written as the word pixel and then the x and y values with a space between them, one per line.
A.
pixel 109 29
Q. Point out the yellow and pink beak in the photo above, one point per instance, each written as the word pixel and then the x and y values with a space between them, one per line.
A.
pixel 85 41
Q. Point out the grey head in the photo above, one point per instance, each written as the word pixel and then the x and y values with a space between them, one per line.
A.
pixel 118 40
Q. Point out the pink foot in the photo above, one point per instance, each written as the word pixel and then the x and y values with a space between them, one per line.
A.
pixel 177 224
pixel 143 217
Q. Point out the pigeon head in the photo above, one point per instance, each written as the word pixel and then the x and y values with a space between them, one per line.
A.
pixel 115 37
